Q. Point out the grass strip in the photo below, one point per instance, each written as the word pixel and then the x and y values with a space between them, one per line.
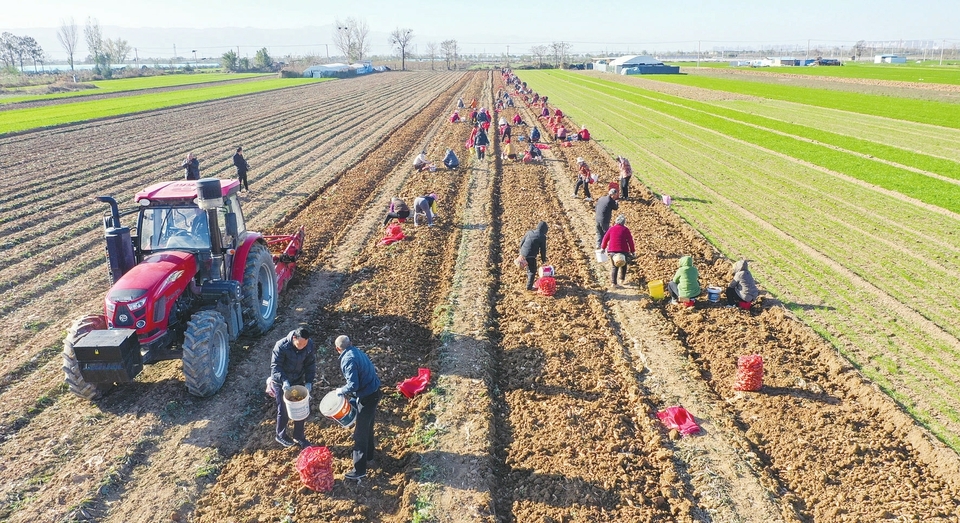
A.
pixel 921 111
pixel 928 73
pixel 136 84
pixel 16 120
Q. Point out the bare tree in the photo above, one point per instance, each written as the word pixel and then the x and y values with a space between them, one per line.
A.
pixel 9 49
pixel 559 50
pixel 400 38
pixel 117 50
pixel 94 38
pixel 68 36
pixel 351 38
pixel 539 51
pixel 448 48
pixel 29 48
pixel 431 52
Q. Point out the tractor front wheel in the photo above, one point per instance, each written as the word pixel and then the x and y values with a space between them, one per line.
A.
pixel 206 353
pixel 259 291
pixel 71 367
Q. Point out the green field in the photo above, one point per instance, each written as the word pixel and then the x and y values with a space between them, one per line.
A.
pixel 928 72
pixel 852 232
pixel 15 120
pixel 136 84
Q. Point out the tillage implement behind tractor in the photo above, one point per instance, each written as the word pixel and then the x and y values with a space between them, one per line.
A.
pixel 188 282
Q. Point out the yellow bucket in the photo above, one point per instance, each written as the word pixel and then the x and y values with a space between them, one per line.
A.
pixel 656 289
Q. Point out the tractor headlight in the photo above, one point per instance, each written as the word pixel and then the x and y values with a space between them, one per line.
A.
pixel 137 305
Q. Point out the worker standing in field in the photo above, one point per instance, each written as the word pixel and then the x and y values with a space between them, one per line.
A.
pixel 534 242
pixel 192 166
pixel 242 167
pixel 618 242
pixel 293 362
pixel 604 212
pixel 583 179
pixel 626 172
pixel 362 383
pixel 481 142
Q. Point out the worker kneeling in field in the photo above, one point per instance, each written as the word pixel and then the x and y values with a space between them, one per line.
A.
pixel 533 243
pixel 450 160
pixel 421 163
pixel 743 288
pixel 424 205
pixel 685 284
pixel 398 209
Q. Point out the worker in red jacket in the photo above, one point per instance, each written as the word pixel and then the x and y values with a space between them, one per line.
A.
pixel 618 242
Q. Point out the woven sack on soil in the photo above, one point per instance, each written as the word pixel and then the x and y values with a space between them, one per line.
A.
pixel 315 465
pixel 749 373
pixel 546 286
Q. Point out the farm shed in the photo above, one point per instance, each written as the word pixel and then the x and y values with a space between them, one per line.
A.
pixel 783 61
pixel 600 65
pixel 364 67
pixel 326 71
pixel 889 59
pixel 639 64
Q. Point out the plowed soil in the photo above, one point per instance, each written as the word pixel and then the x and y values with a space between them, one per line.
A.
pixel 541 408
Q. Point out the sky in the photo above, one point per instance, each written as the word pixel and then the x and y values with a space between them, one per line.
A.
pixel 487 26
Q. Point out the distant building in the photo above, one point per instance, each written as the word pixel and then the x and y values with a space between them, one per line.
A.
pixel 637 64
pixel 889 59
pixel 327 71
pixel 783 61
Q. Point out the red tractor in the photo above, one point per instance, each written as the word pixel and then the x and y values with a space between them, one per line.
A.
pixel 189 282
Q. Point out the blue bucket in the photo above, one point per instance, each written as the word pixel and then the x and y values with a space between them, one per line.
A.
pixel 713 294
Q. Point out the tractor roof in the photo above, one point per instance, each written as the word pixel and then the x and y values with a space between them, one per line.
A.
pixel 182 190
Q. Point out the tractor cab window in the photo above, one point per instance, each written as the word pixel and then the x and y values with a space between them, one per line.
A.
pixel 174 228
pixel 231 205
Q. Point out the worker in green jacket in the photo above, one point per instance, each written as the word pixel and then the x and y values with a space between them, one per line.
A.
pixel 685 284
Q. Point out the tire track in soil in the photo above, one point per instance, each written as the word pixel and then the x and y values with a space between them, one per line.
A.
pixel 16 363
pixel 157 407
pixel 575 434
pixel 837 447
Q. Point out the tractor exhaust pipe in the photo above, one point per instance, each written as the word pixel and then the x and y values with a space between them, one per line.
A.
pixel 120 255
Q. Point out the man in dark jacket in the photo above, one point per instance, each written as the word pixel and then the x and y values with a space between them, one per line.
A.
pixel 481 142
pixel 534 242
pixel 242 167
pixel 192 166
pixel 605 207
pixel 293 362
pixel 363 384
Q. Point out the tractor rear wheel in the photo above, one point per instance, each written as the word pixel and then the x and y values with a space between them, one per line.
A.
pixel 259 291
pixel 206 353
pixel 71 368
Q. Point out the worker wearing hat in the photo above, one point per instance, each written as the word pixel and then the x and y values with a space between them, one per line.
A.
pixel 583 179
pixel 424 205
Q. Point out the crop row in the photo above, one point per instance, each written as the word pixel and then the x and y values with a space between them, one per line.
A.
pixel 685 160
pixel 924 188
pixel 920 111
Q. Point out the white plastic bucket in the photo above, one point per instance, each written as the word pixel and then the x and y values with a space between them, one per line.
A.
pixel 297 409
pixel 338 409
pixel 601 255
pixel 713 294
pixel 546 270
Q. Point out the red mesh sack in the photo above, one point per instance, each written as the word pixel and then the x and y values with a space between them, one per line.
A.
pixel 315 465
pixel 394 234
pixel 546 286
pixel 679 418
pixel 749 373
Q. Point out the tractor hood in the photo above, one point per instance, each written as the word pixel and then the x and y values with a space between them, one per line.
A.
pixel 155 273
pixel 142 298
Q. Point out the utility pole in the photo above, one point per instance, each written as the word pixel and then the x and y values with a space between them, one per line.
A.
pixel 508 56
pixel 698 54
pixel 137 57
pixel 174 53
pixel 328 51
pixel 942 45
pixel 807 57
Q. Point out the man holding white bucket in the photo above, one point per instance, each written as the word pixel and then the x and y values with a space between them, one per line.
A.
pixel 293 363
pixel 363 384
